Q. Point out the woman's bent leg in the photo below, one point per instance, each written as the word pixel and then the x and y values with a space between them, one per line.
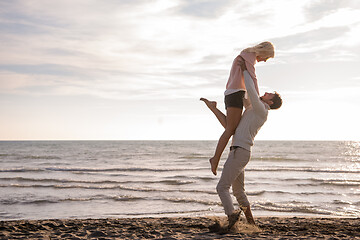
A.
pixel 218 114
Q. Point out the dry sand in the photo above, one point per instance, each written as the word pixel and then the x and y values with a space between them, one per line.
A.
pixel 182 228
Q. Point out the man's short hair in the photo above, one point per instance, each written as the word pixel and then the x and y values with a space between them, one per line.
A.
pixel 277 101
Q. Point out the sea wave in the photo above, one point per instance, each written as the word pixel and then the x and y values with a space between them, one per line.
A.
pixel 26 157
pixel 205 179
pixel 192 200
pixel 21 170
pixel 48 180
pixel 291 207
pixel 142 169
pixel 194 156
pixel 110 186
pixel 113 187
pixel 285 207
pixel 301 169
pixel 330 183
pixel 134 169
pixel 278 192
pixel 302 207
pixel 64 181
pixel 14 201
pixel 277 159
pixel 341 202
pixel 299 181
pixel 147 214
pixel 125 198
pixel 255 193
pixel 45 157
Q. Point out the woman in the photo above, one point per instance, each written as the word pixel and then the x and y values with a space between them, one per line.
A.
pixel 235 92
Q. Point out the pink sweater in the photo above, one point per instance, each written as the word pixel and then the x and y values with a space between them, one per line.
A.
pixel 236 78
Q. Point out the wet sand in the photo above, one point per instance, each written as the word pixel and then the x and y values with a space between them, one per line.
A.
pixel 182 228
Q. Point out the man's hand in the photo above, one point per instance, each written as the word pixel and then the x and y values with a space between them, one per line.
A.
pixel 242 64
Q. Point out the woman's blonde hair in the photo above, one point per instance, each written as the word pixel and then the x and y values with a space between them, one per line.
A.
pixel 264 49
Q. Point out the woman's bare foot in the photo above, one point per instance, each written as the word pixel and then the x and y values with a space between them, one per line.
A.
pixel 210 104
pixel 214 164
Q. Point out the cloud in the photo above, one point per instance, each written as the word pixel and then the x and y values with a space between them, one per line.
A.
pixel 21 28
pixel 204 8
pixel 10 81
pixel 318 9
pixel 318 45
pixel 42 69
pixel 311 38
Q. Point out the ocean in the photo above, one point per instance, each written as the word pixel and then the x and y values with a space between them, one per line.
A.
pixel 101 179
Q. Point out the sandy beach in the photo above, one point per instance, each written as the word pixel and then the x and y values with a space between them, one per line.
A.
pixel 182 228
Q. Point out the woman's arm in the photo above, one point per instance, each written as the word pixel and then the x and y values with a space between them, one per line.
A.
pixel 242 64
pixel 249 61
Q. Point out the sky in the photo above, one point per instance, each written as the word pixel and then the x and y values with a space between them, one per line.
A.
pixel 135 69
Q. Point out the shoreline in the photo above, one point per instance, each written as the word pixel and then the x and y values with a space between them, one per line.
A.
pixel 208 227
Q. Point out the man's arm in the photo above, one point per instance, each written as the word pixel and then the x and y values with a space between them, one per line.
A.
pixel 243 65
pixel 256 103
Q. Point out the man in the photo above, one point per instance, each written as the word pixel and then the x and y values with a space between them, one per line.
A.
pixel 233 172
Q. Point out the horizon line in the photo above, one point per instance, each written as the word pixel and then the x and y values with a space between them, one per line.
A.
pixel 69 140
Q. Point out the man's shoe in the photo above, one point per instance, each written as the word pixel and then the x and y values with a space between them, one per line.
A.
pixel 233 218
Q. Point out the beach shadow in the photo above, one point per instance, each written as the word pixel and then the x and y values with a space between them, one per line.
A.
pixel 221 227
